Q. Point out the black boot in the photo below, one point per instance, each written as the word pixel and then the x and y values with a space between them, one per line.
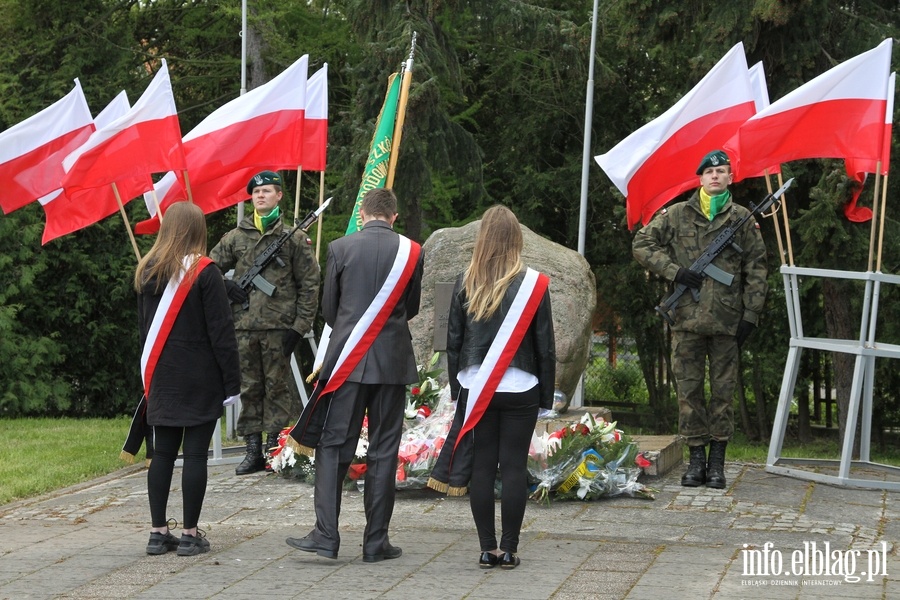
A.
pixel 254 460
pixel 695 475
pixel 715 470
pixel 271 445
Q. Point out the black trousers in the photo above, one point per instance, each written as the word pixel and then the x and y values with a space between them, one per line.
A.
pixel 502 437
pixel 167 440
pixel 384 404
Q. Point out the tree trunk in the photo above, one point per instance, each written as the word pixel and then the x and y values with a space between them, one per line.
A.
pixel 762 416
pixel 839 324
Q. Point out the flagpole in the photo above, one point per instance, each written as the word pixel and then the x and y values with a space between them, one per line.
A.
pixel 297 194
pixel 401 115
pixel 881 226
pixel 137 252
pixel 787 227
pixel 319 221
pixel 774 216
pixel 875 215
pixel 586 154
pixel 240 205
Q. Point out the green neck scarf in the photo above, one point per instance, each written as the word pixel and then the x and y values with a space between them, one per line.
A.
pixel 262 223
pixel 711 205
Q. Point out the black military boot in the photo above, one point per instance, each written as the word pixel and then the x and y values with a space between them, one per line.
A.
pixel 254 460
pixel 271 445
pixel 695 475
pixel 715 470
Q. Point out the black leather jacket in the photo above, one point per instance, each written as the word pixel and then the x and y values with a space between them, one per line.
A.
pixel 468 340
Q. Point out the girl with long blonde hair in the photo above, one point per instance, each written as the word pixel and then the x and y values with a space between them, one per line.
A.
pixel 497 304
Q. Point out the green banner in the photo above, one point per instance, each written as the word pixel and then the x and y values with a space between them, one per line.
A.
pixel 375 173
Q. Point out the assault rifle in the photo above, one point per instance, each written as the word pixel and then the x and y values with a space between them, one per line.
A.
pixel 253 277
pixel 704 266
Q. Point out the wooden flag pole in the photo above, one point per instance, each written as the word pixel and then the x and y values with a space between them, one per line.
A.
pixel 401 116
pixel 774 215
pixel 881 224
pixel 137 252
pixel 787 227
pixel 297 194
pixel 187 185
pixel 319 224
pixel 872 234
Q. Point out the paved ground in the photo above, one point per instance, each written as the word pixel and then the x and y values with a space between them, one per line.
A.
pixel 88 542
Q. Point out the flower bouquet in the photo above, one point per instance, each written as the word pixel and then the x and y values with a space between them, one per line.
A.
pixel 283 461
pixel 422 397
pixel 586 460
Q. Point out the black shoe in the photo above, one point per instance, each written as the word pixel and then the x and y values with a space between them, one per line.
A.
pixel 715 469
pixel 308 544
pixel 160 543
pixel 192 545
pixel 509 561
pixel 389 553
pixel 488 560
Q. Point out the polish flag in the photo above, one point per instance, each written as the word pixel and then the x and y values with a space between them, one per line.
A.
pixel 315 132
pixel 659 161
pixel 65 214
pixel 857 168
pixel 263 129
pixel 145 140
pixel 850 98
pixel 31 152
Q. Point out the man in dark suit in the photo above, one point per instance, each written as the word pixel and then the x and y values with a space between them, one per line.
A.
pixel 373 280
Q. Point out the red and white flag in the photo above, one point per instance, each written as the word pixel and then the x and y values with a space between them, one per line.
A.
pixel 66 214
pixel 145 140
pixel 659 161
pixel 315 132
pixel 31 152
pixel 857 168
pixel 850 98
pixel 263 129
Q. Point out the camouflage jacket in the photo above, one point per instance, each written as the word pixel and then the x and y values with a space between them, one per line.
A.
pixel 677 236
pixel 294 273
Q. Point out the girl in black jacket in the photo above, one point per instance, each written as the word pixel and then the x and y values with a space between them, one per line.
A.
pixel 497 303
pixel 189 364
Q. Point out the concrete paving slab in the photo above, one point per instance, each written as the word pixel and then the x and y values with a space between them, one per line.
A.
pixel 88 542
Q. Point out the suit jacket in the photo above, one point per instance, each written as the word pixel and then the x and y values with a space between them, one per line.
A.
pixel 356 268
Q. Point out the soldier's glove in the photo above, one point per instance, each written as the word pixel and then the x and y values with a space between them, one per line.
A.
pixel 235 293
pixel 289 342
pixel 745 328
pixel 686 277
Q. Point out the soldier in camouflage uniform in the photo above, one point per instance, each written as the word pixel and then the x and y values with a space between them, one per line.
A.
pixel 714 328
pixel 268 331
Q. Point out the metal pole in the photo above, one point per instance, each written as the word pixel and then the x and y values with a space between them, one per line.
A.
pixel 578 396
pixel 588 116
pixel 240 206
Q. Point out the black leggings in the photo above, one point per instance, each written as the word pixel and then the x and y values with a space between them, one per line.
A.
pixel 166 442
pixel 502 436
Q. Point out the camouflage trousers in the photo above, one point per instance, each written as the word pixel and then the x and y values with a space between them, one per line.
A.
pixel 269 397
pixel 699 421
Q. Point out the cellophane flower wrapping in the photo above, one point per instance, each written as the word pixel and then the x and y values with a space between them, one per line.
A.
pixel 587 460
pixel 283 461
pixel 423 438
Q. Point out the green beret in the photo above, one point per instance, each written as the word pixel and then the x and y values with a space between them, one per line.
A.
pixel 713 159
pixel 264 178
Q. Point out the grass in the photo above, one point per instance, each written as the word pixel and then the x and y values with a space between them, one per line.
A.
pixel 42 455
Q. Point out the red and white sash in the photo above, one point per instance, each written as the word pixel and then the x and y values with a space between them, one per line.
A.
pixel 372 321
pixel 169 306
pixel 504 347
